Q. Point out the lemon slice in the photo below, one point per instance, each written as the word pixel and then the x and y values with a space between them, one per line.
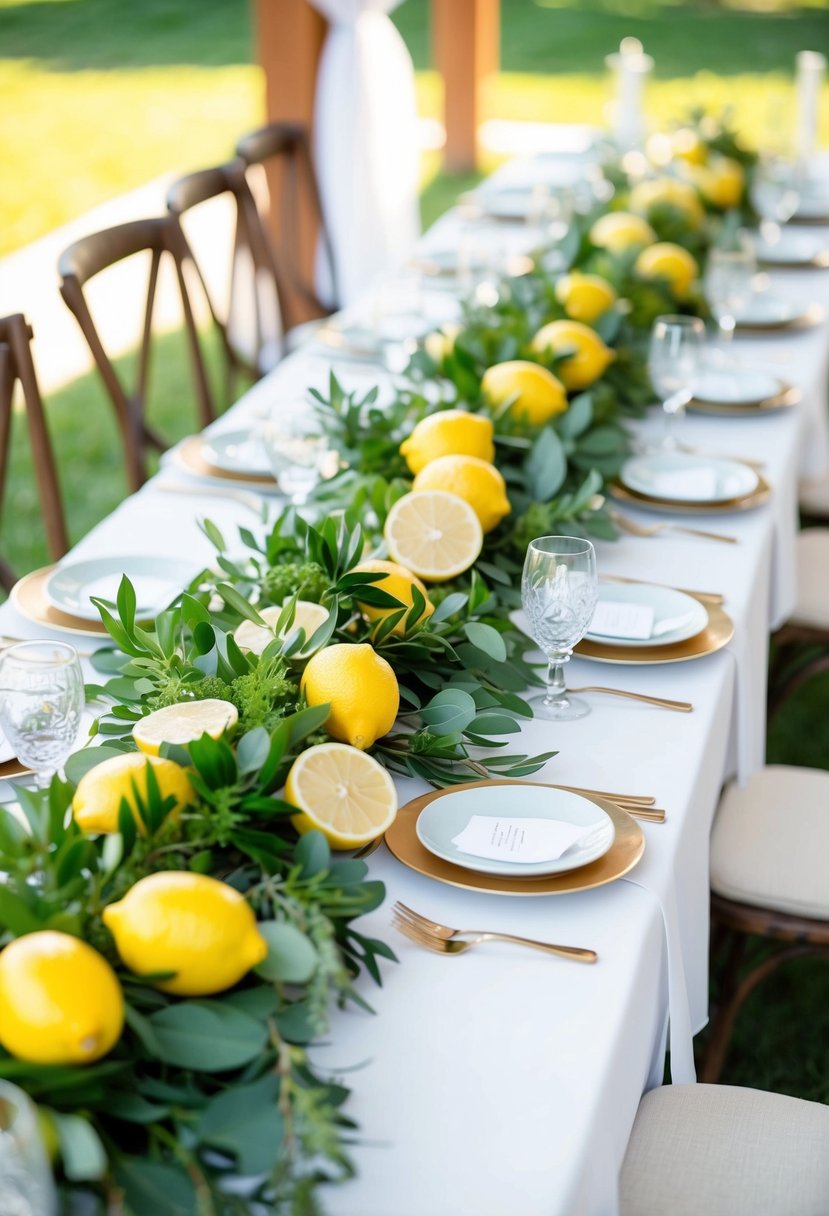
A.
pixel 341 792
pixel 183 724
pixel 250 636
pixel 433 533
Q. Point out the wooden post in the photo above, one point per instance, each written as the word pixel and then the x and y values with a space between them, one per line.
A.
pixel 289 36
pixel 466 39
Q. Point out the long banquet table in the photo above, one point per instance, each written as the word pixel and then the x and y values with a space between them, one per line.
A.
pixel 506 1082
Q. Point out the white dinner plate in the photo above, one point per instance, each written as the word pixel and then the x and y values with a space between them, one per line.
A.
pixel 736 386
pixel 793 248
pixel 447 816
pixel 687 616
pixel 681 477
pixel 237 452
pixel 157 580
pixel 766 309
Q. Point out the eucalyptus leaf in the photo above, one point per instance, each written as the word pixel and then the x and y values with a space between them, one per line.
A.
pixel 546 465
pixel 207 1036
pixel 486 639
pixel 151 1187
pixel 246 1123
pixel 291 957
pixel 82 1154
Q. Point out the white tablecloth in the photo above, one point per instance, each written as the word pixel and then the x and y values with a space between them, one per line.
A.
pixel 504 1081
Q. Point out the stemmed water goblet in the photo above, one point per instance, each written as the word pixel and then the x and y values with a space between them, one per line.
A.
pixel 559 591
pixel 296 453
pixel 775 194
pixel 41 702
pixel 729 284
pixel 674 359
pixel 26 1185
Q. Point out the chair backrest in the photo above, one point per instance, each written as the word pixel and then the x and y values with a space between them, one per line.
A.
pixel 17 366
pixel 86 258
pixel 283 149
pixel 251 319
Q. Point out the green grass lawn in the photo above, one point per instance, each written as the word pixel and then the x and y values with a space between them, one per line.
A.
pixel 106 95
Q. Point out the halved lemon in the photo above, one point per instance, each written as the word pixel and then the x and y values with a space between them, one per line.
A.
pixel 433 533
pixel 342 793
pixel 250 636
pixel 183 724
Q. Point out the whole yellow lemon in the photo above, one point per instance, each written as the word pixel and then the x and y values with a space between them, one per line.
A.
pixel 201 929
pixel 361 688
pixel 60 1001
pixel 476 481
pixel 536 395
pixel 667 261
pixel 667 191
pixel 448 433
pixel 721 182
pixel 587 356
pixel 99 793
pixel 397 581
pixel 441 342
pixel 686 145
pixel 619 230
pixel 584 296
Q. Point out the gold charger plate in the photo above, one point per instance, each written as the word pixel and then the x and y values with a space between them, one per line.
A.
pixel 784 399
pixel 12 768
pixel 756 498
pixel 189 455
pixel 813 315
pixel 717 633
pixel 626 850
pixel 29 598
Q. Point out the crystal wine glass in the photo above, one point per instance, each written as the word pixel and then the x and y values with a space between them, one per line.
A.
pixel 41 701
pixel 729 279
pixel 26 1186
pixel 674 358
pixel 559 590
pixel 775 194
pixel 295 453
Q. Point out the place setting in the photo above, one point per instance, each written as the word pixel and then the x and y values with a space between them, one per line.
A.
pixel 59 597
pixel 777 186
pixel 741 299
pixel 568 610
pixel 516 838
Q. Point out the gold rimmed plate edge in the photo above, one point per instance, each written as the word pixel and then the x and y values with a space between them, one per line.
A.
pixel 758 496
pixel 717 633
pixel 788 396
pixel 189 455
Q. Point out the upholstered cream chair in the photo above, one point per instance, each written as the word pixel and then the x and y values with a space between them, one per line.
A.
pixel 769 877
pixel 715 1150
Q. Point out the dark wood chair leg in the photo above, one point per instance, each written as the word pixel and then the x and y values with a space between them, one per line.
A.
pixel 722 1025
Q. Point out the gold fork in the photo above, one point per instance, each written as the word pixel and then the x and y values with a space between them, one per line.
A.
pixel 682 707
pixel 443 940
pixel 635 529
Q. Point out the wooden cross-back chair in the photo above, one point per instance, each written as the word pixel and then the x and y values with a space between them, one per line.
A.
pixel 251 324
pixel 17 366
pixel 86 258
pixel 283 150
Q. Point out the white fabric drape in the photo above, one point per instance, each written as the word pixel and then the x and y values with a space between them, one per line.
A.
pixel 365 142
